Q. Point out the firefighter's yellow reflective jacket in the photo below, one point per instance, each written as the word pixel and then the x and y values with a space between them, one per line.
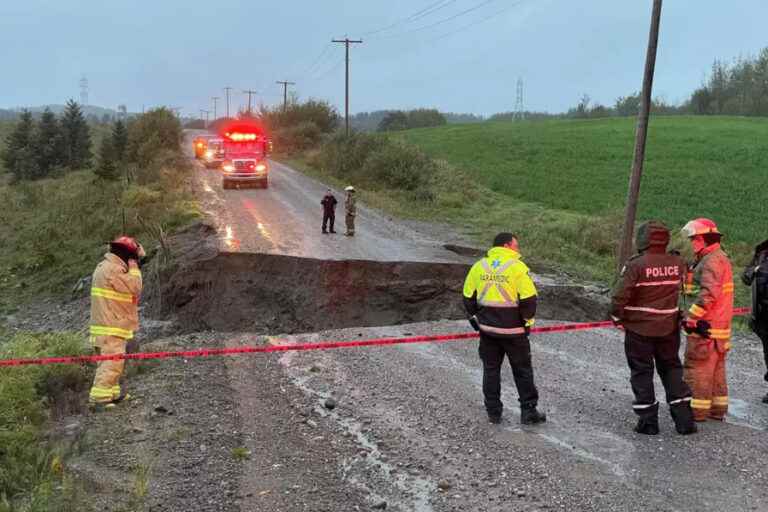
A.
pixel 499 292
pixel 115 291
pixel 709 282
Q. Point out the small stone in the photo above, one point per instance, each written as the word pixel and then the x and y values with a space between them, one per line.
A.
pixel 379 505
pixel 444 485
pixel 520 493
pixel 314 369
pixel 330 404
pixel 161 409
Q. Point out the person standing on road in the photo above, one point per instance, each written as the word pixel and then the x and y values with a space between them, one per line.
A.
pixel 351 209
pixel 756 276
pixel 645 303
pixel 709 281
pixel 115 290
pixel 329 210
pixel 500 299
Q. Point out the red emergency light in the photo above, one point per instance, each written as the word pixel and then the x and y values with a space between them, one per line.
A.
pixel 240 136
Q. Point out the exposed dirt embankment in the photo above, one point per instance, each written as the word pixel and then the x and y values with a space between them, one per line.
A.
pixel 207 289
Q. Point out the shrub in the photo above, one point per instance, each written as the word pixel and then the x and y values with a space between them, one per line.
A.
pixel 399 166
pixel 300 137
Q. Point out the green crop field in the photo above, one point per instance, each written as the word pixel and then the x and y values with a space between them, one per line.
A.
pixel 695 166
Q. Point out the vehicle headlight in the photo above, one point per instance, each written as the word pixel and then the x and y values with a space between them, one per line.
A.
pixel 261 167
pixel 208 154
pixel 228 168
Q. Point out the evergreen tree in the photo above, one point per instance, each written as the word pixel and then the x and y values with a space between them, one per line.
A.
pixel 48 144
pixel 19 154
pixel 119 140
pixel 107 166
pixel 77 137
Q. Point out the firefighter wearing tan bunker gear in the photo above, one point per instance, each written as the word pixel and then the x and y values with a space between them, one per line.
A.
pixel 115 290
pixel 709 284
pixel 500 299
pixel 645 303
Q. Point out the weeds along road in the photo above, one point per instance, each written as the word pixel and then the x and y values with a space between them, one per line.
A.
pixel 410 429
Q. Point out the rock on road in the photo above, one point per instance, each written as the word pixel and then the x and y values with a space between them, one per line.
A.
pixel 415 412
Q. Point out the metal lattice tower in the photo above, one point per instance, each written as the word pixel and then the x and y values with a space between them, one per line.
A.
pixel 83 91
pixel 519 108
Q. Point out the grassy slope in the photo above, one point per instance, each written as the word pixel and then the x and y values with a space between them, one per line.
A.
pixel 703 166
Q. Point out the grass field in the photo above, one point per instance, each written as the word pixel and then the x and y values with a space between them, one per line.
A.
pixel 695 166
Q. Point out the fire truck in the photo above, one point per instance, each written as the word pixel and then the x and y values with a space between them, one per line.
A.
pixel 214 153
pixel 200 145
pixel 246 149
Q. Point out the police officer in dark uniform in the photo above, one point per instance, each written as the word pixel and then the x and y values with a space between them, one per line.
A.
pixel 756 277
pixel 645 303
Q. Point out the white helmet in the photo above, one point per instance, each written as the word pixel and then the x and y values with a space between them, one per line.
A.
pixel 350 188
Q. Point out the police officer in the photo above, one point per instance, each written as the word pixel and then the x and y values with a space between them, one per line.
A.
pixel 645 303
pixel 500 299
pixel 756 277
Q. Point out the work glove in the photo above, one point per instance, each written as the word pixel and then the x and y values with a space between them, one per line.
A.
pixel 700 327
pixel 528 324
pixel 473 323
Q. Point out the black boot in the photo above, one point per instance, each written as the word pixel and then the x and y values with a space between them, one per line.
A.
pixel 494 418
pixel 682 415
pixel 648 426
pixel 530 416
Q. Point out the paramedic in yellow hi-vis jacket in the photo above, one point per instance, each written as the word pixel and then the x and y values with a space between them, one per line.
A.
pixel 500 299
pixel 115 291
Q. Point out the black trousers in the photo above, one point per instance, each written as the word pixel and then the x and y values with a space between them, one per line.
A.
pixel 328 217
pixel 518 351
pixel 642 353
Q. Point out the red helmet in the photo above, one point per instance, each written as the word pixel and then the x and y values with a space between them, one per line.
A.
pixel 700 226
pixel 128 244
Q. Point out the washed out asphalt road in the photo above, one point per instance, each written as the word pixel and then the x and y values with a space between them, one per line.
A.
pixel 415 411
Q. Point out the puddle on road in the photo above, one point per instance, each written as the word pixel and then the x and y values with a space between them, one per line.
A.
pixel 253 212
pixel 231 243
pixel 420 489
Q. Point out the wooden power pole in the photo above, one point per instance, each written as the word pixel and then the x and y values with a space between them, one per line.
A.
pixel 249 92
pixel 625 249
pixel 347 41
pixel 285 85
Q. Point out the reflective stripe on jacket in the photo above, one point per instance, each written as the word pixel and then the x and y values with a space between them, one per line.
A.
pixel 350 206
pixel 501 294
pixel 645 300
pixel 710 283
pixel 115 291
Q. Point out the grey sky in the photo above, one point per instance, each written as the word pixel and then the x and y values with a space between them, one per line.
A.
pixel 180 53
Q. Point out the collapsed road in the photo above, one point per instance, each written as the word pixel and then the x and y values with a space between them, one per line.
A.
pixel 397 427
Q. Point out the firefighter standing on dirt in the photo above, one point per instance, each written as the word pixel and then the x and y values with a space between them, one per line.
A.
pixel 500 299
pixel 329 211
pixel 115 290
pixel 756 277
pixel 645 304
pixel 351 209
pixel 709 283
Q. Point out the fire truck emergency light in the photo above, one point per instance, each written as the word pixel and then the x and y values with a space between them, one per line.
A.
pixel 241 137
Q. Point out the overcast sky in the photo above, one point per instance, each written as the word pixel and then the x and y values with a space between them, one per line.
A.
pixel 462 56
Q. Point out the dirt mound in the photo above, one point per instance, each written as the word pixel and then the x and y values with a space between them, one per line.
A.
pixel 203 288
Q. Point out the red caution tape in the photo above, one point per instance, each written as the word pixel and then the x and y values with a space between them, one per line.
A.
pixel 209 352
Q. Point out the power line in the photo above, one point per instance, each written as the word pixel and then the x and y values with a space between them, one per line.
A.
pixel 481 20
pixel 440 22
pixel 330 70
pixel 434 7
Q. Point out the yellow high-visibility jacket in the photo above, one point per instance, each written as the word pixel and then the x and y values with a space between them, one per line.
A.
pixel 115 291
pixel 500 294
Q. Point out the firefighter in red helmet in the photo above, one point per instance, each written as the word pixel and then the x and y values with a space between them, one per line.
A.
pixel 709 286
pixel 115 290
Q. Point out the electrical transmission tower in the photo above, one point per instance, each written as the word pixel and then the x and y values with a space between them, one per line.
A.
pixel 519 108
pixel 83 91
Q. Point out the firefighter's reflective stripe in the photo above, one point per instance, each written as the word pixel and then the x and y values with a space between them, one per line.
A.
pixel 728 287
pixel 103 330
pixel 651 310
pixel 112 295
pixel 720 401
pixel 644 406
pixel 502 330
pixel 697 310
pixel 680 400
pixel 660 283
pixel 98 394
pixel 698 403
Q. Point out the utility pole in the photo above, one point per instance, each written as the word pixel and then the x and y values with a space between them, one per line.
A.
pixel 215 99
pixel 347 41
pixel 249 93
pixel 206 112
pixel 285 85
pixel 226 90
pixel 633 193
